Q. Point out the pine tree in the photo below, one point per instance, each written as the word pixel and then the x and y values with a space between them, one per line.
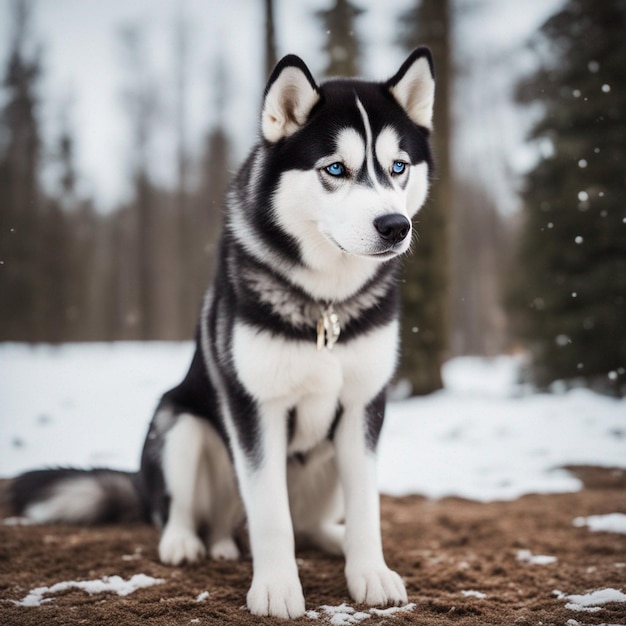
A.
pixel 571 298
pixel 343 48
pixel 425 281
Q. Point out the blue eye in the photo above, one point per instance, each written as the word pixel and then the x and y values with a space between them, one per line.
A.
pixel 398 167
pixel 336 169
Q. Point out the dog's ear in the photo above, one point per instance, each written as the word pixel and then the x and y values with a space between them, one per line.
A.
pixel 290 95
pixel 414 86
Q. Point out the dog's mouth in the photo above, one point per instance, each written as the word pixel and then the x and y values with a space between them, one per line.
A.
pixel 384 253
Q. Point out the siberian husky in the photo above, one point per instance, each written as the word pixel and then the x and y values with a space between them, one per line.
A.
pixel 277 421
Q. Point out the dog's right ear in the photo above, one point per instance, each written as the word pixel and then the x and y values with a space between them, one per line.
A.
pixel 290 95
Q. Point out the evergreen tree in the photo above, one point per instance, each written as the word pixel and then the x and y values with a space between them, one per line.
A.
pixel 342 45
pixel 425 281
pixel 571 297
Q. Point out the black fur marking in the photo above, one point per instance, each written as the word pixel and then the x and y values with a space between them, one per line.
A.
pixel 422 51
pixel 242 406
pixel 292 416
pixel 375 415
pixel 335 422
pixel 269 302
pixel 290 60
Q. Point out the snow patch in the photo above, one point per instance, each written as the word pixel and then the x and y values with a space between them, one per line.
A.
pixel 344 614
pixel 610 523
pixel 470 593
pixel 18 521
pixel 111 584
pixel 591 602
pixel 483 437
pixel 526 556
pixel 392 610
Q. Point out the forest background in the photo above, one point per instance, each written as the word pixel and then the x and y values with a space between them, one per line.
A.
pixel 521 246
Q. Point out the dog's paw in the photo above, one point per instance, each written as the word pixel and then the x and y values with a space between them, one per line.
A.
pixel 376 586
pixel 178 546
pixel 224 550
pixel 277 597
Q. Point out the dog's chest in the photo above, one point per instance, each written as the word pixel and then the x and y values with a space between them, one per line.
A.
pixel 308 385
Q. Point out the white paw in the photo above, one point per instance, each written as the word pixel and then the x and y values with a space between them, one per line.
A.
pixel 179 545
pixel 224 550
pixel 376 586
pixel 277 597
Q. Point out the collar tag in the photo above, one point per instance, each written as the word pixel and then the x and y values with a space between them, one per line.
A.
pixel 328 328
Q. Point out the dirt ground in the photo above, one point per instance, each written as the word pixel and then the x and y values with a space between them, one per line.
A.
pixel 441 548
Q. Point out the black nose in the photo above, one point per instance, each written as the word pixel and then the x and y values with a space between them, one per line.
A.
pixel 393 227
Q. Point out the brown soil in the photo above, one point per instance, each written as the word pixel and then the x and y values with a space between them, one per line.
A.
pixel 441 548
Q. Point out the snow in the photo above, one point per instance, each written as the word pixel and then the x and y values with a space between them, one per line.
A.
pixel 609 523
pixel 470 593
pixel 393 610
pixel 526 556
pixel 344 614
pixel 111 584
pixel 483 437
pixel 591 602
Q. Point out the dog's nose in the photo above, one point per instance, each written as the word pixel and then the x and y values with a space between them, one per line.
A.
pixel 393 227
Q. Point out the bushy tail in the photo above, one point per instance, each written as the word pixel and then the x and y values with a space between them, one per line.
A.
pixel 74 496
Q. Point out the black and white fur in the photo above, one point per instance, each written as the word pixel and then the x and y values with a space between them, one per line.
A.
pixel 265 427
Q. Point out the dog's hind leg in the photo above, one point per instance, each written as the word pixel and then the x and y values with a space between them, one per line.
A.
pixel 226 508
pixel 316 501
pixel 183 454
pixel 200 482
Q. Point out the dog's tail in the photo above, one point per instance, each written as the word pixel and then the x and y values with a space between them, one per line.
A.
pixel 75 496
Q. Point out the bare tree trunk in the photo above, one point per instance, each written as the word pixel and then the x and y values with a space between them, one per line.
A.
pixel 270 37
pixel 425 320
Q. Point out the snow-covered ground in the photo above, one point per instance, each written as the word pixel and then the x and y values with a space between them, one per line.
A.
pixel 483 437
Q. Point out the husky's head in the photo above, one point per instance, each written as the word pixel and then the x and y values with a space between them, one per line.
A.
pixel 344 165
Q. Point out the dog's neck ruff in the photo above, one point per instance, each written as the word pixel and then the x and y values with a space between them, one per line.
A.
pixel 328 328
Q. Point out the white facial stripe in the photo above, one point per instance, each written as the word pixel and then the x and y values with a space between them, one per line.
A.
pixel 369 148
pixel 388 148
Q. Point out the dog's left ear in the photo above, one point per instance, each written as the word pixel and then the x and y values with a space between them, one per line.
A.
pixel 414 86
pixel 290 95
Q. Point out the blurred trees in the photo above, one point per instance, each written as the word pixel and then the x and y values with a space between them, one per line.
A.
pixel 21 209
pixel 570 296
pixel 71 273
pixel 342 46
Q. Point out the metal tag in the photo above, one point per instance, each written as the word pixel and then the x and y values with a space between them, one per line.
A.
pixel 328 328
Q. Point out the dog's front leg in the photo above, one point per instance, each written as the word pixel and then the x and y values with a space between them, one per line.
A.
pixel 369 579
pixel 276 588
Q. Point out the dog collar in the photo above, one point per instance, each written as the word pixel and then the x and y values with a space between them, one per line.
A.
pixel 328 328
